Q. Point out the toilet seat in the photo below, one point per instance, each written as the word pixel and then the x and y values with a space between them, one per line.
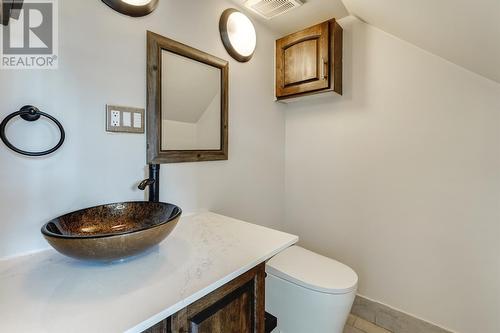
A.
pixel 313 271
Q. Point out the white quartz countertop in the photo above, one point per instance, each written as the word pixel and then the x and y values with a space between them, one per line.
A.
pixel 47 292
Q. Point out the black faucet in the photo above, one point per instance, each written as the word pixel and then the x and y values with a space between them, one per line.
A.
pixel 153 182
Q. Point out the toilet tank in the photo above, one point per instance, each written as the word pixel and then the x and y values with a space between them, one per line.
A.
pixel 308 292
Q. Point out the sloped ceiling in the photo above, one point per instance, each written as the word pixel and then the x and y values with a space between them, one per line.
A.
pixel 181 77
pixel 465 32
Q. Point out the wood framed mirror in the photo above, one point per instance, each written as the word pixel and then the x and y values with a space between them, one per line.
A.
pixel 187 107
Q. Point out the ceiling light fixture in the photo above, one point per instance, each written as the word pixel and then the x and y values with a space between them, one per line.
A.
pixel 238 34
pixel 134 8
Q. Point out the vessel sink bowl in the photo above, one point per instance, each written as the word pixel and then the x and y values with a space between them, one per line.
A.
pixel 112 232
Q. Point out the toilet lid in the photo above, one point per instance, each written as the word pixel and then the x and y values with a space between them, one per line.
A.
pixel 313 271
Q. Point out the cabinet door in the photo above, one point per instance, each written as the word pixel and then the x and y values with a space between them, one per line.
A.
pixel 161 327
pixel 302 61
pixel 237 307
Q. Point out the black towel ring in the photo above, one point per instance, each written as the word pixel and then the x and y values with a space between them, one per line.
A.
pixel 31 113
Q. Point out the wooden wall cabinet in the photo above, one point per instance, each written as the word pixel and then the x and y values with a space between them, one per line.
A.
pixel 310 61
pixel 237 307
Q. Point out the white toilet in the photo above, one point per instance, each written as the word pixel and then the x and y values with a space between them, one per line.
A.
pixel 309 293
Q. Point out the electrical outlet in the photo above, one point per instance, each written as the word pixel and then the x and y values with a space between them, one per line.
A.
pixel 123 119
pixel 115 118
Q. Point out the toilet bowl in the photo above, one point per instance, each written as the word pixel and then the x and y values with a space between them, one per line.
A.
pixel 309 293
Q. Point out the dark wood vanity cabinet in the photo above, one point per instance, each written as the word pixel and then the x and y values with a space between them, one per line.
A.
pixel 309 61
pixel 236 307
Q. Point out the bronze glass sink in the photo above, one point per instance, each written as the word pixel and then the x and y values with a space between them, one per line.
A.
pixel 112 232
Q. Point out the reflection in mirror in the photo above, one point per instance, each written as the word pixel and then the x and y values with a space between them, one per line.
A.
pixel 190 104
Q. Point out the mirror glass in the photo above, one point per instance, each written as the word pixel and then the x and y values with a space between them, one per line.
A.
pixel 190 104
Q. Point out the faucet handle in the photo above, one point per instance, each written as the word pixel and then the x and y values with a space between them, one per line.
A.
pixel 145 183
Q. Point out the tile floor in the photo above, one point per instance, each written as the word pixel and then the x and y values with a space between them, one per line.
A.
pixel 359 325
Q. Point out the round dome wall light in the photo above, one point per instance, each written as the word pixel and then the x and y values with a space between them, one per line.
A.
pixel 238 34
pixel 135 8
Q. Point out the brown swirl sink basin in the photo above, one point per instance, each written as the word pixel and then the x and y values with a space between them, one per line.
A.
pixel 112 232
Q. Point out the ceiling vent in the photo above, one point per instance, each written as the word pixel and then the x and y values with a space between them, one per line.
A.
pixel 272 8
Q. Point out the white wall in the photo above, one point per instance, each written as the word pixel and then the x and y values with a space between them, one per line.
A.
pixel 103 60
pixel 204 134
pixel 400 179
pixel 208 127
pixel 178 135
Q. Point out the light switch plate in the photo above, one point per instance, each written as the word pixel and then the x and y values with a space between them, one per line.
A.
pixel 124 119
